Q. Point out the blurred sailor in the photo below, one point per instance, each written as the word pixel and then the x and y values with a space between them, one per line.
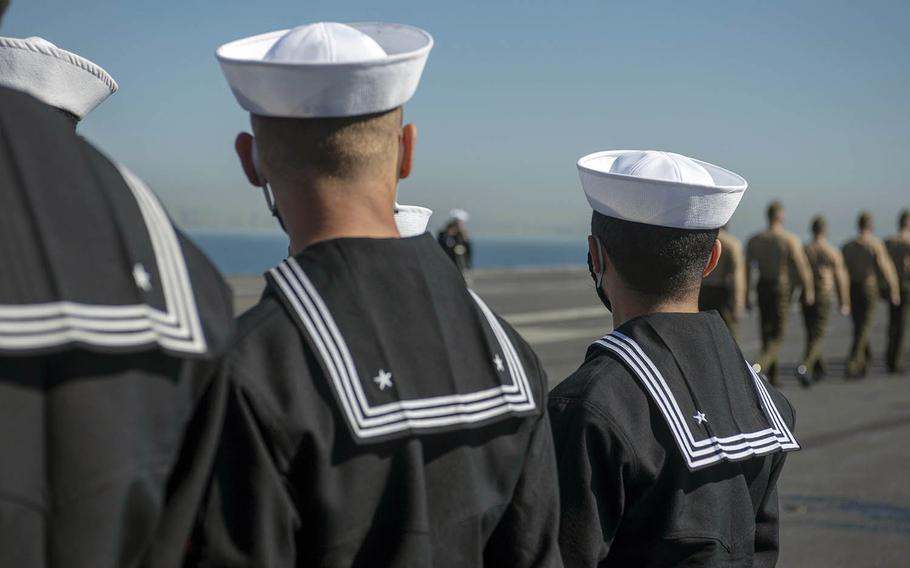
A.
pixel 828 275
pixel 899 249
pixel 110 324
pixel 380 413
pixel 871 274
pixel 724 289
pixel 669 445
pixel 455 241
pixel 782 266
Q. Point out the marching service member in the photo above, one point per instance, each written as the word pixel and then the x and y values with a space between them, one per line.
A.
pixel 782 266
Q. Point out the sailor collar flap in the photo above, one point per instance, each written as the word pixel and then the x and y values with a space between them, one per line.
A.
pixel 382 399
pixel 701 448
pixel 131 293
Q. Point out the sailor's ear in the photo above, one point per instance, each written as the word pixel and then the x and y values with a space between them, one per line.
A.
pixel 406 143
pixel 716 251
pixel 245 146
pixel 594 250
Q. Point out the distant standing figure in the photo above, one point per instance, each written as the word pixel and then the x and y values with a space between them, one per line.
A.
pixel 779 256
pixel 724 289
pixel 455 241
pixel 828 274
pixel 871 273
pixel 899 249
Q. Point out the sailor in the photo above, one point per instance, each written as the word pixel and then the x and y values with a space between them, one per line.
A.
pixel 669 445
pixel 380 413
pixel 454 240
pixel 871 274
pixel 899 249
pixel 779 256
pixel 724 289
pixel 110 325
pixel 828 275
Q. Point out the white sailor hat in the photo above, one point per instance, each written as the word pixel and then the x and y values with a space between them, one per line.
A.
pixel 326 69
pixel 412 220
pixel 459 215
pixel 54 76
pixel 660 188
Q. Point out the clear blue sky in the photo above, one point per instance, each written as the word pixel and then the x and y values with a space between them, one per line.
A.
pixel 808 99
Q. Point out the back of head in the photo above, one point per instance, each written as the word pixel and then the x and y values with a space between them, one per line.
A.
pixel 775 211
pixel 864 221
pixel 903 221
pixel 819 225
pixel 655 261
pixel 345 149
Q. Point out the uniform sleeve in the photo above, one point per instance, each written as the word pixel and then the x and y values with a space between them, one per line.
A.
pixel 841 279
pixel 767 517
pixel 591 458
pixel 528 531
pixel 249 518
pixel 188 481
pixel 750 259
pixel 767 520
pixel 740 282
pixel 886 270
pixel 801 264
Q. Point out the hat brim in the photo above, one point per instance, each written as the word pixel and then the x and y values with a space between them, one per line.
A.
pixel 298 90
pixel 54 76
pixel 660 202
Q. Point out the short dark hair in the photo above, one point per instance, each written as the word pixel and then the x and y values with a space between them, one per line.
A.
pixel 774 208
pixel 864 221
pixel 819 225
pixel 659 262
pixel 3 6
pixel 904 219
pixel 344 147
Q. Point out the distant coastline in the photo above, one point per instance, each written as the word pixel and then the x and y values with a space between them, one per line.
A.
pixel 252 253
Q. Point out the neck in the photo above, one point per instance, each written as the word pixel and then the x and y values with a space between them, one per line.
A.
pixel 628 305
pixel 324 209
pixel 775 224
pixel 865 233
pixel 821 238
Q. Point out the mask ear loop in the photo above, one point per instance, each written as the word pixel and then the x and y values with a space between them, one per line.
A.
pixel 600 253
pixel 266 191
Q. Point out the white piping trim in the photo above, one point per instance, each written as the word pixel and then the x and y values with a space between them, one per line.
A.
pixel 370 421
pixel 699 453
pixel 177 328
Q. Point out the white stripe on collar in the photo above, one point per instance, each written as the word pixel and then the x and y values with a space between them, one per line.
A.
pixel 177 328
pixel 370 421
pixel 707 451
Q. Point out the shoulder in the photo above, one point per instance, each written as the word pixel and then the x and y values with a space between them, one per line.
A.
pixel 530 361
pixel 264 344
pixel 782 403
pixel 602 386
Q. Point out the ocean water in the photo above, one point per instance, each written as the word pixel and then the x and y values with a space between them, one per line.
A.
pixel 255 253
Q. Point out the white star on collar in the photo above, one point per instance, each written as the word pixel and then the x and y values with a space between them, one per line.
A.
pixel 700 418
pixel 383 380
pixel 498 362
pixel 142 277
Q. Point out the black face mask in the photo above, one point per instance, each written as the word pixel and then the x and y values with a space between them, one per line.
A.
pixel 604 299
